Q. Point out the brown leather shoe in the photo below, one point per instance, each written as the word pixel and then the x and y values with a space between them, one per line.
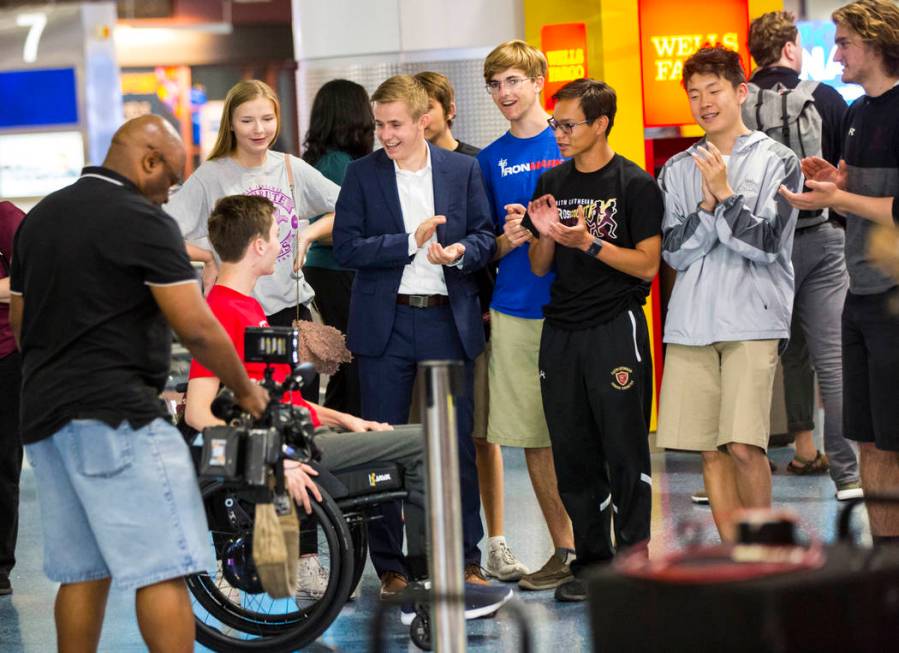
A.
pixel 474 574
pixel 392 583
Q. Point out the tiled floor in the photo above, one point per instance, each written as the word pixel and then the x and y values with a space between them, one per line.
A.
pixel 26 618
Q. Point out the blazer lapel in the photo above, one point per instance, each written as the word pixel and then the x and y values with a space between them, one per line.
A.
pixel 439 179
pixel 387 182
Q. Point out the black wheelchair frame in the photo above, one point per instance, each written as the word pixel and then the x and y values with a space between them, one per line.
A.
pixel 226 625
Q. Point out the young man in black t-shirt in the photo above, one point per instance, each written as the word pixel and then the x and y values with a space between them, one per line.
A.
pixel 599 218
pixel 442 109
pixel 865 189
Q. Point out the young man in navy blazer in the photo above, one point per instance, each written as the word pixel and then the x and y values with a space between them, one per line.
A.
pixel 413 220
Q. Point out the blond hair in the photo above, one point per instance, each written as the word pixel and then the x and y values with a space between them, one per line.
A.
pixel 241 93
pixel 768 34
pixel 515 54
pixel 404 88
pixel 877 22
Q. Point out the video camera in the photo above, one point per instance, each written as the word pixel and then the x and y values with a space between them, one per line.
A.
pixel 245 449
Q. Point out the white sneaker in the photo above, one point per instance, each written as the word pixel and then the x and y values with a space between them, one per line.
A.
pixel 502 563
pixel 848 491
pixel 312 579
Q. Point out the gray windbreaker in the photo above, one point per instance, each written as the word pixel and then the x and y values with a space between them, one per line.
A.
pixel 734 273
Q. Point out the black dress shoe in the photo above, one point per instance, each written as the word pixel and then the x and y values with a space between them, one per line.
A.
pixel 573 591
pixel 5 586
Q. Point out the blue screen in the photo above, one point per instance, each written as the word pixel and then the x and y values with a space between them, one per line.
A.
pixel 38 98
pixel 817 57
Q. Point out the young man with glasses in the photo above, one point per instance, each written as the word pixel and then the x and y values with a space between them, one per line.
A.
pixel 598 221
pixel 514 74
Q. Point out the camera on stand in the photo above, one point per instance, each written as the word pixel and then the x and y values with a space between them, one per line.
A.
pixel 245 449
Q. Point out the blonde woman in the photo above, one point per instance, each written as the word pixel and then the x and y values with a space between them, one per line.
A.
pixel 243 163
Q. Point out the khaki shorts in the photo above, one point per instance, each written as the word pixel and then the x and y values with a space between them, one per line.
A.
pixel 481 397
pixel 481 394
pixel 717 394
pixel 516 406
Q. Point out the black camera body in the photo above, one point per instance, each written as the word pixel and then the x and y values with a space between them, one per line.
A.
pixel 242 451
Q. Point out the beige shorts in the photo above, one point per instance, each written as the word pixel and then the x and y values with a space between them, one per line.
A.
pixel 717 394
pixel 481 397
pixel 516 406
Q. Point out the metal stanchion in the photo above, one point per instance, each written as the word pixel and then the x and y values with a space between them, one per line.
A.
pixel 440 381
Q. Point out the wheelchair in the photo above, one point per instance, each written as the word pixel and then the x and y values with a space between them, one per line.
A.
pixel 231 610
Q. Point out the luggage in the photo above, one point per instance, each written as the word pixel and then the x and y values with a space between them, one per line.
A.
pixel 849 602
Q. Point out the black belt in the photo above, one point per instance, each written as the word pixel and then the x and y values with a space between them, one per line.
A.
pixel 422 301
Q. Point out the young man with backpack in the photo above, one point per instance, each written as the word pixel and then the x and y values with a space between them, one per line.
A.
pixel 806 117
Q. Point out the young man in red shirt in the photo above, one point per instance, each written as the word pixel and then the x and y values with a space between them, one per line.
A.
pixel 245 236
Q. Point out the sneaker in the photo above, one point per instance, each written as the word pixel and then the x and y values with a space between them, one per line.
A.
pixel 5 586
pixel 480 601
pixel 555 572
pixel 502 563
pixel 474 574
pixel 573 591
pixel 701 497
pixel 846 491
pixel 392 584
pixel 312 579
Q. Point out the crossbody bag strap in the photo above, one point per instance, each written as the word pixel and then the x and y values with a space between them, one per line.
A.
pixel 296 244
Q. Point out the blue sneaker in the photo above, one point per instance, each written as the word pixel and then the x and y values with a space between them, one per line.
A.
pixel 480 601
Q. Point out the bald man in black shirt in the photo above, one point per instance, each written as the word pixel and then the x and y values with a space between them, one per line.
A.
pixel 99 270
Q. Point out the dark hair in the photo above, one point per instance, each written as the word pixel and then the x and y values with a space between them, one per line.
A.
pixel 341 119
pixel 715 60
pixel 877 23
pixel 440 90
pixel 769 33
pixel 596 99
pixel 235 221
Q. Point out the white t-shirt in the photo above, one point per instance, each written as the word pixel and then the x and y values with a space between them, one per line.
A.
pixel 315 194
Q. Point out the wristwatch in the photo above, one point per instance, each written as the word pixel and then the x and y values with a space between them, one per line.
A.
pixel 594 248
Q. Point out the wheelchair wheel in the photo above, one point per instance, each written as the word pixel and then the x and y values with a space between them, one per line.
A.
pixel 239 617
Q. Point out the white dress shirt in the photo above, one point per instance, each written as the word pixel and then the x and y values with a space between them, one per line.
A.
pixel 416 191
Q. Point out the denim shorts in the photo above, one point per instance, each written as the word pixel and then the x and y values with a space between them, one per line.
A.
pixel 119 503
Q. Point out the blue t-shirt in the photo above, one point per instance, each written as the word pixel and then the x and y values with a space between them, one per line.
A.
pixel 511 167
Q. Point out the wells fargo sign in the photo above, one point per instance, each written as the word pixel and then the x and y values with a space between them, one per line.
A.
pixel 565 47
pixel 669 33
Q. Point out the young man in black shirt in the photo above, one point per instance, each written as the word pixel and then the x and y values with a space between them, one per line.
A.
pixel 599 218
pixel 865 189
pixel 442 109
pixel 99 271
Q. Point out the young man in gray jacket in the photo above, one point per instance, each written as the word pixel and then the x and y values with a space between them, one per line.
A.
pixel 729 235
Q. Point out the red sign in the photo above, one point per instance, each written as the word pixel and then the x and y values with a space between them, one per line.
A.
pixel 672 31
pixel 565 47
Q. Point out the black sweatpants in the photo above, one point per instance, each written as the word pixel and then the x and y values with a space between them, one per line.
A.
pixel 597 396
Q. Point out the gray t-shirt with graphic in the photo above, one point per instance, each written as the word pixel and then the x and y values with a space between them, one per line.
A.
pixel 192 204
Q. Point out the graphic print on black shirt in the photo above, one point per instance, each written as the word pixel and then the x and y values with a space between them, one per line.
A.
pixel 598 214
pixel 622 205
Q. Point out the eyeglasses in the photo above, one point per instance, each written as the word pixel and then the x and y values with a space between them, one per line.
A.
pixel 494 86
pixel 566 127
